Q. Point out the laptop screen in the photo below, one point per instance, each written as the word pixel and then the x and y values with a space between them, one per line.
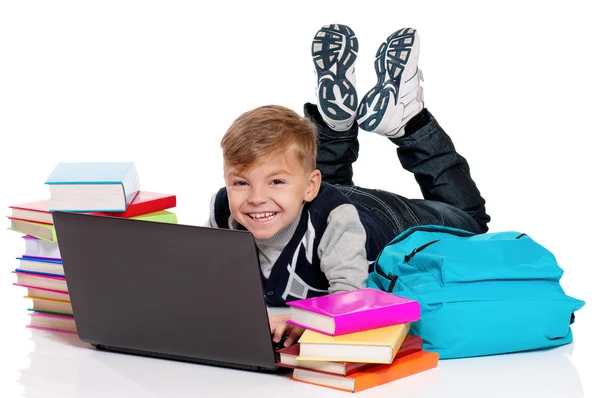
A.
pixel 176 291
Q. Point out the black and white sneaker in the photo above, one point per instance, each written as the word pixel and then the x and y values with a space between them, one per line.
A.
pixel 334 51
pixel 398 95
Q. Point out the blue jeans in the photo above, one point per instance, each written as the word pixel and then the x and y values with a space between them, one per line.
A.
pixel 450 196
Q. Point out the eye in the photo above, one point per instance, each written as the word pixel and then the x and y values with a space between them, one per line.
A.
pixel 239 183
pixel 277 182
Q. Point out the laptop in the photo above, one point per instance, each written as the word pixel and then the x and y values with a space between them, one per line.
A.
pixel 165 290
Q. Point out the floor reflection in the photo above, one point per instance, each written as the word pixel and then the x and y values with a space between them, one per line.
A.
pixel 59 365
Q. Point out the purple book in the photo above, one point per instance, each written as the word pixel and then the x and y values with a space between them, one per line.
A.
pixel 353 311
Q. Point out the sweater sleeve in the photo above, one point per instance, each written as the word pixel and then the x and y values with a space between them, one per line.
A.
pixel 342 250
pixel 212 222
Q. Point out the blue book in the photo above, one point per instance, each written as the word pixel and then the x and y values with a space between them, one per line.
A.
pixel 41 267
pixel 93 186
pixel 40 260
pixel 39 273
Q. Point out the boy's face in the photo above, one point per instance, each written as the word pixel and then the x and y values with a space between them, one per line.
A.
pixel 267 196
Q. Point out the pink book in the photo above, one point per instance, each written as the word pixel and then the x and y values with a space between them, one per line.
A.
pixel 52 323
pixel 41 288
pixel 41 281
pixel 51 329
pixel 353 311
pixel 36 275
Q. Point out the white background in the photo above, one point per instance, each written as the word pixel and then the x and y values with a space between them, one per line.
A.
pixel 515 84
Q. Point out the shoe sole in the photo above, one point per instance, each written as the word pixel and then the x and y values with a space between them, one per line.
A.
pixel 391 59
pixel 334 51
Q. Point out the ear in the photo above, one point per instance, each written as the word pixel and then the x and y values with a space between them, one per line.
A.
pixel 313 186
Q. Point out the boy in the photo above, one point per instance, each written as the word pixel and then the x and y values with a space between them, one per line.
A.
pixel 316 232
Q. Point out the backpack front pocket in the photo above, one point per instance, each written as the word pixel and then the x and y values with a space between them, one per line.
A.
pixel 474 328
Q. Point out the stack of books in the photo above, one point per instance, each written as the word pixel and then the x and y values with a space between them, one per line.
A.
pixel 101 189
pixel 355 340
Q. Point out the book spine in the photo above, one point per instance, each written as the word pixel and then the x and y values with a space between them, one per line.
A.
pixel 377 318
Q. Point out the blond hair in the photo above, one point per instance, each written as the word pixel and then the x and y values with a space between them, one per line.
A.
pixel 269 131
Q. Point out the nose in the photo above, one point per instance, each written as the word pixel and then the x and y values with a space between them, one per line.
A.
pixel 258 196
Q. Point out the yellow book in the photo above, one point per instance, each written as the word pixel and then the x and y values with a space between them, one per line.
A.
pixel 371 346
pixel 49 305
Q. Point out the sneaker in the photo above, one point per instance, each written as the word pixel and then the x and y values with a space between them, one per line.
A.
pixel 398 96
pixel 334 51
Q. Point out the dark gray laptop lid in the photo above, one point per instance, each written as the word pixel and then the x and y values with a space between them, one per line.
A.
pixel 168 290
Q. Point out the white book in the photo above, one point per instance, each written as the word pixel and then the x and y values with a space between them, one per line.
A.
pixel 35 247
pixel 93 186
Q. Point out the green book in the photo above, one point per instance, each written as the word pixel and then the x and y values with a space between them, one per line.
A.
pixel 158 216
pixel 40 231
pixel 48 233
pixel 50 312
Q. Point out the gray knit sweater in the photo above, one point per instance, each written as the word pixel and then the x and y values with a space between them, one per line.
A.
pixel 342 253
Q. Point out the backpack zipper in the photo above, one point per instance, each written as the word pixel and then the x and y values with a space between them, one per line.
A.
pixel 429 229
pixel 393 278
pixel 418 249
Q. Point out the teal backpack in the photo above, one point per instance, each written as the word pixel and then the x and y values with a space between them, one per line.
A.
pixel 480 294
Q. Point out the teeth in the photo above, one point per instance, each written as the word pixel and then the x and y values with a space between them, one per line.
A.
pixel 261 215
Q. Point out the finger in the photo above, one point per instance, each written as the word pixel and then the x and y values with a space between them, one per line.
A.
pixel 293 336
pixel 279 331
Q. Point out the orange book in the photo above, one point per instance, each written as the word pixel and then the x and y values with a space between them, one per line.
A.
pixel 371 377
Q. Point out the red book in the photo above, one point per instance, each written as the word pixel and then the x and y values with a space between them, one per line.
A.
pixel 143 203
pixel 38 211
pixel 288 359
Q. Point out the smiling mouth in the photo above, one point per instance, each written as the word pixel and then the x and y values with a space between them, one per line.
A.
pixel 262 217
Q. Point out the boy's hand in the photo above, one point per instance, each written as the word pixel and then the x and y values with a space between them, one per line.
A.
pixel 280 328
